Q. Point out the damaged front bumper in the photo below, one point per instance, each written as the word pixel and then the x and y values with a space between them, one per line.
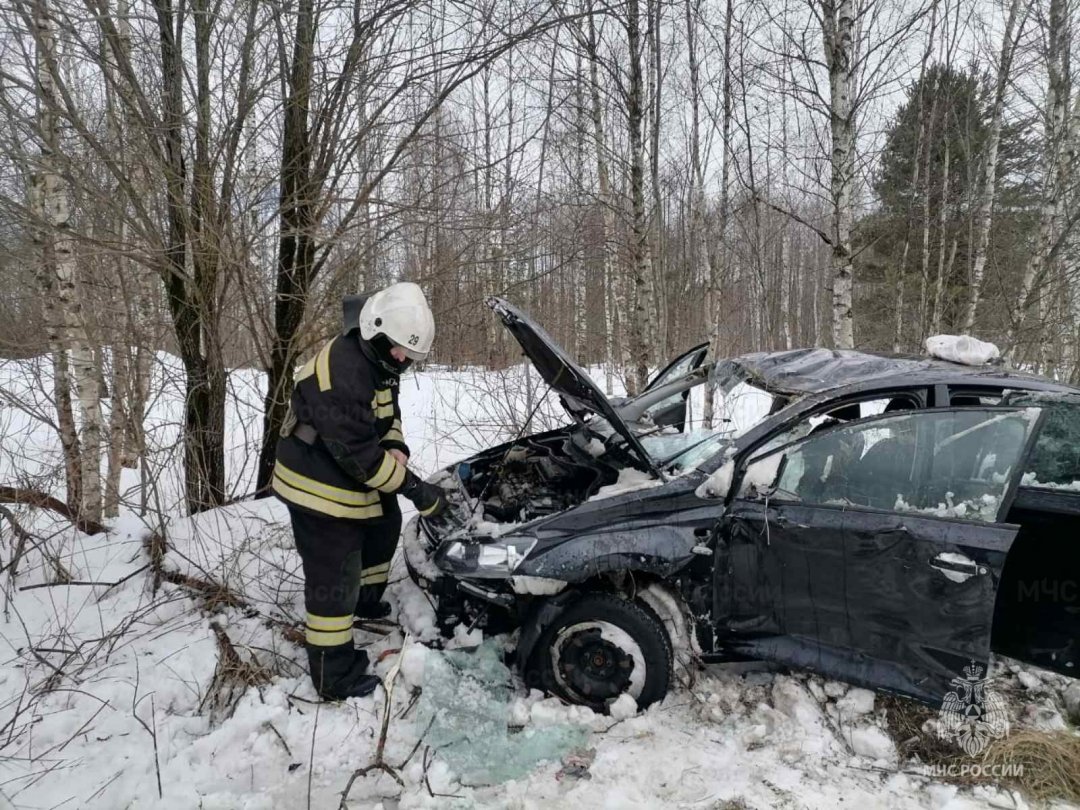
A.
pixel 472 582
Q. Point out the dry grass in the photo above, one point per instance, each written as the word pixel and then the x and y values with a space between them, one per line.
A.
pixel 905 719
pixel 1050 760
pixel 232 677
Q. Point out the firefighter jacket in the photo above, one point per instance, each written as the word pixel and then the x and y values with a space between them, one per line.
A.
pixel 343 417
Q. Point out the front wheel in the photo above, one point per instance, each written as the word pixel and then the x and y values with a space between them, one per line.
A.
pixel 600 647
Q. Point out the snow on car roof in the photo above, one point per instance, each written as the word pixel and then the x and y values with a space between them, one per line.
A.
pixel 810 371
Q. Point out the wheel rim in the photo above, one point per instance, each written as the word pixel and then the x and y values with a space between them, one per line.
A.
pixel 595 662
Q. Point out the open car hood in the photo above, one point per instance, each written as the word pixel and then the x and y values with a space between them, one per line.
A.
pixel 577 392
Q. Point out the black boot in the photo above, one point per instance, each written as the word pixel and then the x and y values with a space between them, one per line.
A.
pixel 340 672
pixel 372 610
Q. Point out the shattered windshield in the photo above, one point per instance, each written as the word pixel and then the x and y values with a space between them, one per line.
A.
pixel 737 409
pixel 738 406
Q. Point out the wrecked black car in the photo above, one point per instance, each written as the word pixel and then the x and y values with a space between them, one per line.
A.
pixel 882 520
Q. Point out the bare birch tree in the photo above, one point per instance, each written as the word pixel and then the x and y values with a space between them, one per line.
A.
pixel 64 308
pixel 837 29
pixel 1057 29
pixel 1014 24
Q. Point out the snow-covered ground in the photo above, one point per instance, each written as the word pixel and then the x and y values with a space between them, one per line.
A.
pixel 117 695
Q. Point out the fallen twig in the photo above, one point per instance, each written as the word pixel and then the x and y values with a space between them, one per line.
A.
pixel 151 728
pixel 427 781
pixel 32 497
pixel 106 585
pixel 380 764
pixel 416 747
pixel 311 754
pixel 25 537
pixel 232 677
pixel 281 739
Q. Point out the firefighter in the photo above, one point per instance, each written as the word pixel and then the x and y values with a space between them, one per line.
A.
pixel 341 463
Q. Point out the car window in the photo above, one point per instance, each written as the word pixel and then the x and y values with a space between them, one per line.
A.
pixel 665 446
pixel 961 397
pixel 650 414
pixel 846 413
pixel 1055 458
pixel 945 463
pixel 680 366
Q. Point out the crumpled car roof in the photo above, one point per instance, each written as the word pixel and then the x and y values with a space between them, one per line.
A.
pixel 809 371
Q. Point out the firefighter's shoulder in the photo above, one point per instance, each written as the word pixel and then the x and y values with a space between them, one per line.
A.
pixel 347 366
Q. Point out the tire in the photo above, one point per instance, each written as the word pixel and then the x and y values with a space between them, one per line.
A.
pixel 596 649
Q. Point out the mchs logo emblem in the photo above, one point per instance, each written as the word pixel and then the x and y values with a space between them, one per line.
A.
pixel 971 714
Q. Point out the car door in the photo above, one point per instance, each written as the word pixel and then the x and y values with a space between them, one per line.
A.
pixel 872 552
pixel 672 411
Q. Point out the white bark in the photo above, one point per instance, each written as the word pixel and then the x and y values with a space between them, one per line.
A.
pixel 640 266
pixel 612 299
pixel 916 165
pixel 59 269
pixel 581 319
pixel 1055 167
pixel 984 217
pixel 718 255
pixel 937 295
pixel 838 23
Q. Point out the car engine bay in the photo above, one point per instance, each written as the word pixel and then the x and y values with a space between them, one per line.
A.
pixel 537 476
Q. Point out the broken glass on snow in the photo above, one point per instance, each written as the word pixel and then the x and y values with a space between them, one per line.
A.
pixel 464 713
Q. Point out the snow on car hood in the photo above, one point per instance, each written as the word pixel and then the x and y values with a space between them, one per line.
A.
pixel 578 393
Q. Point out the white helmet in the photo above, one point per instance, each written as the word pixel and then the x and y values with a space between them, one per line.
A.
pixel 400 313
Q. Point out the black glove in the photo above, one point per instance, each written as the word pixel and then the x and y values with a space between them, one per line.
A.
pixel 429 500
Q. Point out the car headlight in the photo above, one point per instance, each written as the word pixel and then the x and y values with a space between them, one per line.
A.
pixel 497 558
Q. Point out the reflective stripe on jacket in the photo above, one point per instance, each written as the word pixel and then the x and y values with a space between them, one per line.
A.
pixel 352 404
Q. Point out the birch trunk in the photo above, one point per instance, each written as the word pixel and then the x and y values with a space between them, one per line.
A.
pixel 606 205
pixel 658 339
pixel 937 295
pixel 1054 168
pixel 144 293
pixel 838 29
pixel 717 256
pixel 984 217
pixel 581 276
pixel 924 251
pixel 59 267
pixel 916 165
pixel 65 414
pixel 699 245
pixel 639 231
pixel 117 430
pixel 131 351
pixel 785 295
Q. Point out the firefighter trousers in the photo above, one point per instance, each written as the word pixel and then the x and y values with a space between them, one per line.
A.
pixel 346 567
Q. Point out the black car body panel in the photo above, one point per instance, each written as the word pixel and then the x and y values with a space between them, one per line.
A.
pixel 856 590
pixel 630 532
pixel 899 599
